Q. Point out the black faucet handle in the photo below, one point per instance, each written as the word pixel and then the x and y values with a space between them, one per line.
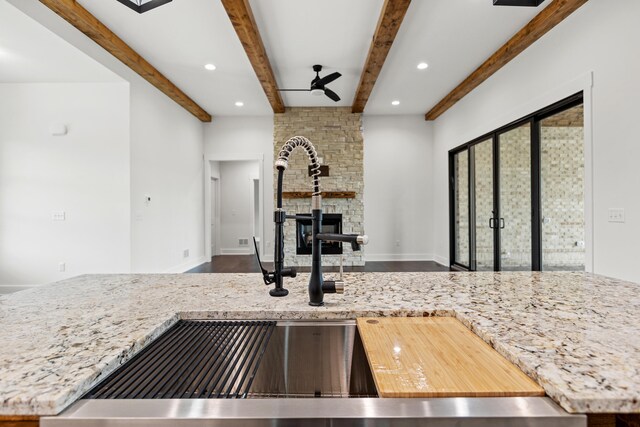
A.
pixel 358 241
pixel 266 276
pixel 289 272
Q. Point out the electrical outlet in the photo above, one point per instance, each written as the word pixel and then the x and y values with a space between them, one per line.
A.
pixel 616 215
pixel 185 253
pixel 62 267
pixel 243 242
pixel 58 215
pixel 397 243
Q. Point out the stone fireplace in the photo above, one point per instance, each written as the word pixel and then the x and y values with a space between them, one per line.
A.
pixel 331 223
pixel 336 133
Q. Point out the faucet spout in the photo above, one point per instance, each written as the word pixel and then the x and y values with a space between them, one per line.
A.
pixel 317 286
pixel 355 239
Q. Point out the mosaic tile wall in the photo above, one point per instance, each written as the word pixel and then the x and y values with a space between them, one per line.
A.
pixel 563 197
pixel 461 174
pixel 336 134
pixel 515 198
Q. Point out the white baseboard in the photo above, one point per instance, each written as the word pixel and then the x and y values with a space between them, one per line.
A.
pixel 236 251
pixel 399 257
pixel 441 260
pixel 186 266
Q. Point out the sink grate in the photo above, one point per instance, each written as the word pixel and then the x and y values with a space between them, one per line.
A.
pixel 194 359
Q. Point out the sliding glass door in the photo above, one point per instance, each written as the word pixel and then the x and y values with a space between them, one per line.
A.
pixel 517 195
pixel 460 165
pixel 483 209
pixel 562 190
pixel 513 223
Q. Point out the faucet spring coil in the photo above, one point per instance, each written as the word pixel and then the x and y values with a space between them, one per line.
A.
pixel 302 142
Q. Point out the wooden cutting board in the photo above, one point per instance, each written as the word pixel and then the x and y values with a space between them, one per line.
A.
pixel 437 357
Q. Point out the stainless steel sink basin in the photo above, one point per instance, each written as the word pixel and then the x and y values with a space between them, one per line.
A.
pixel 275 366
pixel 314 359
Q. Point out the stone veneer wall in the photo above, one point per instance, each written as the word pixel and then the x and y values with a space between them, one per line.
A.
pixel 336 134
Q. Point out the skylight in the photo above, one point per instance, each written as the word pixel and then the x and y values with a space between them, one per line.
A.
pixel 142 6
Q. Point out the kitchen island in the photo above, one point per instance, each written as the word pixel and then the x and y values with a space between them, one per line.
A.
pixel 575 334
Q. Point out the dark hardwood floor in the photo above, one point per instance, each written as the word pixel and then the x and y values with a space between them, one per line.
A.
pixel 249 264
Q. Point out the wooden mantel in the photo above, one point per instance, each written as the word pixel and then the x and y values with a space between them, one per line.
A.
pixel 325 194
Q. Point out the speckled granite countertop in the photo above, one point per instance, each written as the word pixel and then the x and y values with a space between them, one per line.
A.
pixel 577 335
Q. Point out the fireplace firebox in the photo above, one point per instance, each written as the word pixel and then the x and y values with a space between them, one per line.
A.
pixel 331 223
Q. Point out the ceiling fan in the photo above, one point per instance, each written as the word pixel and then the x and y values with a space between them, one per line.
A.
pixel 318 85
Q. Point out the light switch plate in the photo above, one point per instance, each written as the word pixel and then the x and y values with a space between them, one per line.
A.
pixel 58 216
pixel 616 215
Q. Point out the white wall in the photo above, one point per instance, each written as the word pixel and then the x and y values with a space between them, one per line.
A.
pixel 84 173
pixel 229 138
pixel 236 205
pixel 215 169
pixel 398 188
pixel 600 38
pixel 167 164
pixel 245 138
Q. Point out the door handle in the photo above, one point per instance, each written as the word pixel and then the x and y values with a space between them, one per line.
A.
pixel 491 222
pixel 501 223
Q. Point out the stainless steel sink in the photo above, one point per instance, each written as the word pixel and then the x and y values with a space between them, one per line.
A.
pixel 314 359
pixel 322 362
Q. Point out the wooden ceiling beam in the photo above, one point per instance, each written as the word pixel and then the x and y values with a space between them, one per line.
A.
pixel 393 12
pixel 72 12
pixel 241 17
pixel 547 19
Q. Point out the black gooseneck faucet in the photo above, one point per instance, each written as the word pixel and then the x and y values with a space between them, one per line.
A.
pixel 317 285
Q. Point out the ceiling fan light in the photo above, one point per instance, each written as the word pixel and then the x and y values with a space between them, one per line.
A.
pixel 317 92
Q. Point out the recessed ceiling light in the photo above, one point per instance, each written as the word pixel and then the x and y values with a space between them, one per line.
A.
pixel 395 102
pixel 239 104
pixel 210 67
pixel 423 66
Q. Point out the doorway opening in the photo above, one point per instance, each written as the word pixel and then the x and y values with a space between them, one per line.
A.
pixel 256 213
pixel 233 207
pixel 215 216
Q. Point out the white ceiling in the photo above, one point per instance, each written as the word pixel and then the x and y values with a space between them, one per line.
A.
pixel 179 38
pixel 333 33
pixel 454 37
pixel 30 53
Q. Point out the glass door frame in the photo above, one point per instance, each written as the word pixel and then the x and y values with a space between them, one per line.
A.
pixel 499 220
pixel 534 120
pixel 452 210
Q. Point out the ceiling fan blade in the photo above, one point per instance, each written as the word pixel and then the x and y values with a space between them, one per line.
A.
pixel 294 90
pixel 331 94
pixel 327 79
